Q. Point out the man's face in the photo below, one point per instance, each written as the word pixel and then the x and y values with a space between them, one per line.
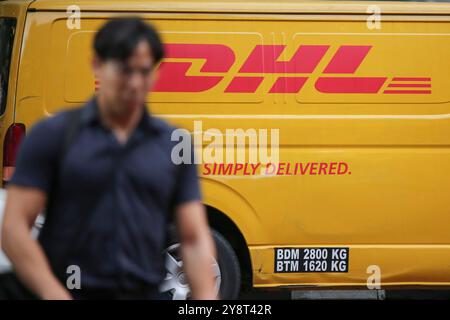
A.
pixel 124 86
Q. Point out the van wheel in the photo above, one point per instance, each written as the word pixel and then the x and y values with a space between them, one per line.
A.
pixel 226 270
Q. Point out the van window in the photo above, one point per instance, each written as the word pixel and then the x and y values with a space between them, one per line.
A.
pixel 7 29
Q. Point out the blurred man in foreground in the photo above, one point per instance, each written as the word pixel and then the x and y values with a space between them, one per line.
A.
pixel 105 175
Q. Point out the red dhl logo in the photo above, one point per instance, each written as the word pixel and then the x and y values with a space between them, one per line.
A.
pixel 219 58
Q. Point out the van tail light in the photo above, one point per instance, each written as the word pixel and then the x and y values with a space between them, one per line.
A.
pixel 13 137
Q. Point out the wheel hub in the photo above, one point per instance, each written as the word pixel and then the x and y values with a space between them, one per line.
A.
pixel 181 277
pixel 176 280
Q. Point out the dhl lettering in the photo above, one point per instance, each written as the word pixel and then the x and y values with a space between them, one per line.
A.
pixel 349 85
pixel 173 78
pixel 402 85
pixel 288 84
pixel 244 84
pixel 347 59
pixel 264 59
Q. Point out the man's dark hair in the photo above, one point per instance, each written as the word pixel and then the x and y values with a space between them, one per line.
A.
pixel 118 38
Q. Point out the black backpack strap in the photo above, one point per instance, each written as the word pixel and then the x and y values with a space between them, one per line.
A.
pixel 70 133
pixel 71 130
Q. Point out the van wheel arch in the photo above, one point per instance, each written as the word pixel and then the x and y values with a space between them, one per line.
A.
pixel 221 223
pixel 230 241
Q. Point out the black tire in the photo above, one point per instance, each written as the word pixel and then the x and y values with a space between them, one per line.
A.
pixel 230 270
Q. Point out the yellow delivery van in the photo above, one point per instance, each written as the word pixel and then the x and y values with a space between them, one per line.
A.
pixel 346 105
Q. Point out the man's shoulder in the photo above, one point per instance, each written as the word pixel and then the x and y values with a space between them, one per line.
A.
pixel 171 136
pixel 51 128
pixel 163 127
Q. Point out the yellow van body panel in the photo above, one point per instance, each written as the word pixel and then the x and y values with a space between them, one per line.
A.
pixel 249 6
pixel 12 9
pixel 391 207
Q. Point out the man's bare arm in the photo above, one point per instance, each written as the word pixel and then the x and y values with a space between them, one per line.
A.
pixel 30 263
pixel 197 249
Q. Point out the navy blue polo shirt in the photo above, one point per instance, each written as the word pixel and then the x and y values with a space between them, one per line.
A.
pixel 114 201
